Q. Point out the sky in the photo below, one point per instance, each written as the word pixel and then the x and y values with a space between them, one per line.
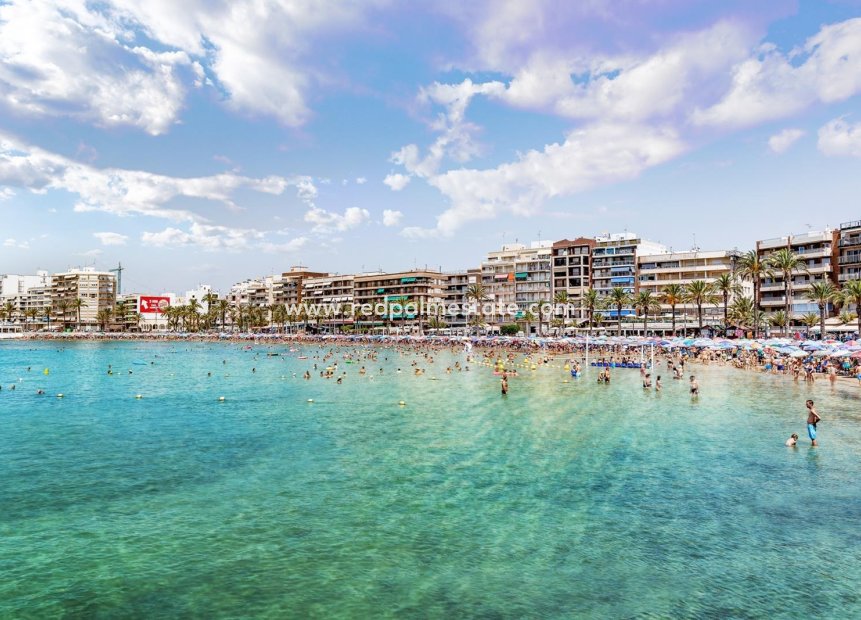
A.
pixel 214 141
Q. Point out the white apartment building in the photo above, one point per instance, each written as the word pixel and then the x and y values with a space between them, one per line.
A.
pixel 96 289
pixel 658 270
pixel 614 263
pixel 519 275
pixel 819 253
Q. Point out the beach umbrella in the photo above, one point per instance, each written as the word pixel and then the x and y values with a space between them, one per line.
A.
pixel 843 353
pixel 856 355
pixel 822 353
pixel 798 354
pixel 812 347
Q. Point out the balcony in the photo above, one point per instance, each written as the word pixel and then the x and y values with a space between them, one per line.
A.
pixel 850 259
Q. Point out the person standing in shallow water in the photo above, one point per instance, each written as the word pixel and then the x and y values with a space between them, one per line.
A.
pixel 504 384
pixel 812 420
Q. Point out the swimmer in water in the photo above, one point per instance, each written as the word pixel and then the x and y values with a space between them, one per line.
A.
pixel 812 420
pixel 695 386
pixel 658 384
pixel 792 442
pixel 647 381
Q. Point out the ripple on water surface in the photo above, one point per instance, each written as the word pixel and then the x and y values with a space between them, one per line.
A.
pixel 561 499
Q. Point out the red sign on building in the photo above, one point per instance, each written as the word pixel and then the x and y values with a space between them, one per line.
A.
pixel 154 305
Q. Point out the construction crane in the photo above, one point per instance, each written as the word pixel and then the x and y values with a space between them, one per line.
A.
pixel 119 271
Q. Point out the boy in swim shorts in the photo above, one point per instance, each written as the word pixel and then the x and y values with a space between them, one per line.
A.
pixel 812 420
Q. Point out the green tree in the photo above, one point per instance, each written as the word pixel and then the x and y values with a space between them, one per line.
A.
pixel 852 295
pixel 700 293
pixel 561 298
pixel 810 320
pixel 647 304
pixel 742 312
pixel 76 304
pixel 618 298
pixel 726 286
pixel 103 317
pixel 673 295
pixel 752 267
pixel 476 293
pixel 591 302
pixel 822 293
pixel 786 262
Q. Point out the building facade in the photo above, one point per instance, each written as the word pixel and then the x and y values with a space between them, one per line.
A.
pixel 818 251
pixel 97 290
pixel 519 276
pixel 572 275
pixel 659 270
pixel 391 292
pixel 849 252
pixel 614 264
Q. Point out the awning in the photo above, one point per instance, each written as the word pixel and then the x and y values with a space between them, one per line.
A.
pixel 407 280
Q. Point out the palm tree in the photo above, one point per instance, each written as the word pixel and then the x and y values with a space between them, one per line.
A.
pixel 436 323
pixel 700 292
pixel 527 318
pixel 561 298
pixel 742 312
pixel 645 303
pixel 193 313
pixel 785 262
pixel 752 267
pixel 103 317
pixel 673 295
pixel 778 319
pixel 222 306
pixel 63 310
pixel 847 317
pixel 8 310
pixel 591 301
pixel 76 304
pixel 726 286
pixel 822 293
pixel 617 298
pixel 477 293
pixel 852 295
pixel 31 314
pixel 810 320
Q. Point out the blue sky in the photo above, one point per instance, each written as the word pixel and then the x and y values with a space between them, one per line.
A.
pixel 208 142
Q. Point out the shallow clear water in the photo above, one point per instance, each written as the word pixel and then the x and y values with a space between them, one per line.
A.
pixel 563 499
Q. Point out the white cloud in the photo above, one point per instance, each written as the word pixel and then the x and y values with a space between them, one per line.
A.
pixel 14 243
pixel 361 180
pixel 125 62
pixel 772 85
pixel 588 157
pixel 324 221
pixel 780 142
pixel 111 238
pixel 130 192
pixel 839 138
pixel 92 253
pixel 204 236
pixel 397 181
pixel 6 193
pixel 392 218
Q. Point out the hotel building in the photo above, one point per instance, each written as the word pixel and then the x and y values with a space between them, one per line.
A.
pixel 334 293
pixel 818 250
pixel 287 288
pixel 454 296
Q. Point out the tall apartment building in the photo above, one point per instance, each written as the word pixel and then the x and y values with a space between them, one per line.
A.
pixel 658 270
pixel 454 296
pixel 421 287
pixel 518 275
pixel 849 252
pixel 97 290
pixel 287 288
pixel 332 294
pixel 819 252
pixel 614 263
pixel 572 274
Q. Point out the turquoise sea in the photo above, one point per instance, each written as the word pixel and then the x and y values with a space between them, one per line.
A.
pixel 561 500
